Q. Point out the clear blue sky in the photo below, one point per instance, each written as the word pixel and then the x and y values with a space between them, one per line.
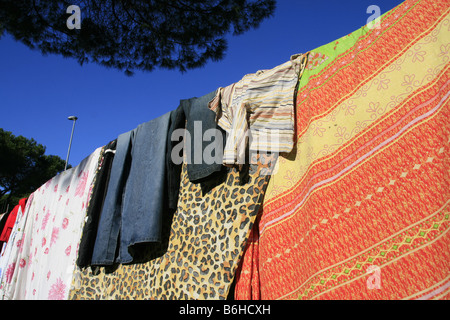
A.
pixel 38 93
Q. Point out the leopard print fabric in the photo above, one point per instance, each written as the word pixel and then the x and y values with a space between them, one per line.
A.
pixel 205 242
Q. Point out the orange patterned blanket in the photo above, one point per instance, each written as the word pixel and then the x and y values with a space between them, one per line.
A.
pixel 360 208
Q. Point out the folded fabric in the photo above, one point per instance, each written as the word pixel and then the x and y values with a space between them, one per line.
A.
pixel 135 201
pixel 258 111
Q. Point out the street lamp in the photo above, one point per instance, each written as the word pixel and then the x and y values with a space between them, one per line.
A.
pixel 74 119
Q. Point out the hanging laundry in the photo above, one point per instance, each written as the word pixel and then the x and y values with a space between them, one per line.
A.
pixel 136 200
pixel 100 187
pixel 207 237
pixel 7 249
pixel 357 207
pixel 7 228
pixel 43 255
pixel 258 111
pixel 4 218
pixel 362 210
pixel 194 128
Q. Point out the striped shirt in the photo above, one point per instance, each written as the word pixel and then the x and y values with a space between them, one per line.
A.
pixel 258 111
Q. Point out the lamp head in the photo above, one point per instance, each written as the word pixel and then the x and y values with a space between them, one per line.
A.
pixel 72 118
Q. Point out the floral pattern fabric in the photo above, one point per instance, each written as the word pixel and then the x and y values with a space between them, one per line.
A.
pixel 362 210
pixel 7 250
pixel 43 252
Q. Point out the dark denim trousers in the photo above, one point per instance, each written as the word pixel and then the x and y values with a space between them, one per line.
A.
pixel 94 209
pixel 134 204
pixel 194 116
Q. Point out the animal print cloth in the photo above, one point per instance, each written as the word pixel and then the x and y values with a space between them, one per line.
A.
pixel 201 252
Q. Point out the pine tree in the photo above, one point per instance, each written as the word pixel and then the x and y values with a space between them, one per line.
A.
pixel 133 35
pixel 24 167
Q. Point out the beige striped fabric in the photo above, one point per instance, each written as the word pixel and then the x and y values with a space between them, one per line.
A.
pixel 258 111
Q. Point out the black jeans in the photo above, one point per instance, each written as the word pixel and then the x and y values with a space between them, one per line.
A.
pixel 194 116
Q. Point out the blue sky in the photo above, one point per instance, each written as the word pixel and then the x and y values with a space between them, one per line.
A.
pixel 38 93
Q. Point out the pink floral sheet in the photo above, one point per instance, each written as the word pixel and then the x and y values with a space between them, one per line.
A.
pixel 39 260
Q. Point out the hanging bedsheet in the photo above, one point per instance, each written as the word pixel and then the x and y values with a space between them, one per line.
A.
pixel 43 250
pixel 7 250
pixel 360 209
pixel 204 244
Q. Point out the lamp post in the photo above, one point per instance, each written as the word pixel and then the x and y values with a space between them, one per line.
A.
pixel 74 119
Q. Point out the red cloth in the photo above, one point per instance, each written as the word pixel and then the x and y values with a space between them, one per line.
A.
pixel 11 220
